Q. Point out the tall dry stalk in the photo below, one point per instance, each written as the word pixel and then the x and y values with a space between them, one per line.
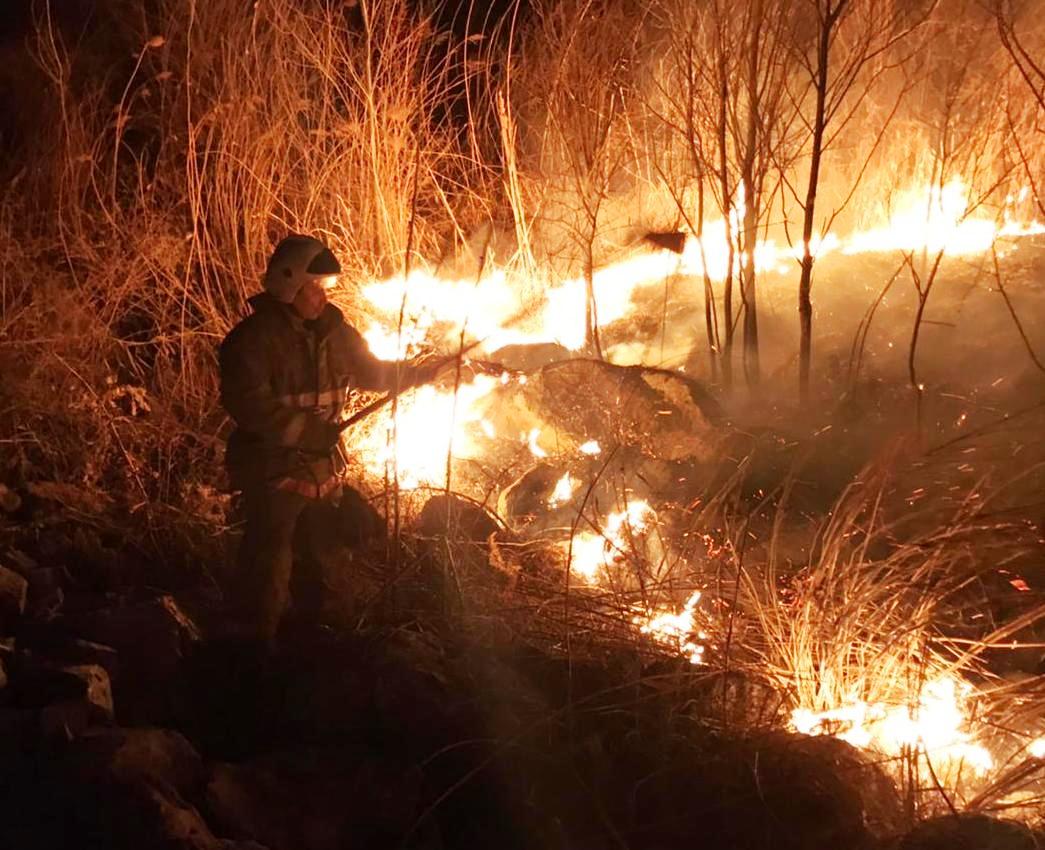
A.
pixel 171 180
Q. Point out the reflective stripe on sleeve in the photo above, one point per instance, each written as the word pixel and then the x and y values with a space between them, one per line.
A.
pixel 312 400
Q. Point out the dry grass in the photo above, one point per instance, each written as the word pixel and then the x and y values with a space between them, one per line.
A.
pixel 164 188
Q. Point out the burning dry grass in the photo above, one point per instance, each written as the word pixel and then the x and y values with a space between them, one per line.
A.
pixel 160 194
pixel 876 626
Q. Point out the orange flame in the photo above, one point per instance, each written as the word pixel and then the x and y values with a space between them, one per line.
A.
pixel 937 725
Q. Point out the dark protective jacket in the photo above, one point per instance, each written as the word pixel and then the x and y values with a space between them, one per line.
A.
pixel 284 381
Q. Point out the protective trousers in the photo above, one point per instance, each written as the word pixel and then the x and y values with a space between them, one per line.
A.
pixel 266 561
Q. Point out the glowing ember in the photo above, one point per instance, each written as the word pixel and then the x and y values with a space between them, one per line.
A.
pixel 591 447
pixel 676 630
pixel 563 491
pixel 1036 748
pixel 936 725
pixel 591 552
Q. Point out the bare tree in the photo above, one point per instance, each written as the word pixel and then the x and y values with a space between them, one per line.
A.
pixel 966 133
pixel 587 55
pixel 841 49
pixel 686 102
pixel 1025 48
pixel 723 92
pixel 760 117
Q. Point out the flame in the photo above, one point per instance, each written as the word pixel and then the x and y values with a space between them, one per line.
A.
pixel 937 220
pixel 936 725
pixel 675 630
pixel 392 345
pixel 563 491
pixel 425 300
pixel 591 552
pixel 531 441
pixel 503 308
pixel 433 309
pixel 429 424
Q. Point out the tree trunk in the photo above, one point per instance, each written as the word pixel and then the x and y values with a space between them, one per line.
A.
pixel 805 303
pixel 752 370
pixel 591 314
pixel 709 291
pixel 727 284
pixel 752 367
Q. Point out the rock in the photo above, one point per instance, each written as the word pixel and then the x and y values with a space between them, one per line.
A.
pixel 239 696
pixel 528 357
pixel 123 789
pixel 46 591
pixel 419 693
pixel 459 550
pixel 527 497
pixel 65 720
pixel 6 658
pixel 357 521
pixel 317 799
pixel 20 562
pixel 18 728
pixel 662 412
pixel 69 700
pixel 79 652
pixel 161 757
pixel 855 783
pixel 78 499
pixel 62 701
pixel 325 527
pixel 735 699
pixel 157 630
pixel 970 832
pixel 98 691
pixel 457 518
pixel 782 791
pixel 151 639
pixel 36 685
pixel 13 596
pixel 125 816
pixel 667 240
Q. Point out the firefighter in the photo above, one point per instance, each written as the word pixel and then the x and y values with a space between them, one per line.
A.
pixel 285 373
